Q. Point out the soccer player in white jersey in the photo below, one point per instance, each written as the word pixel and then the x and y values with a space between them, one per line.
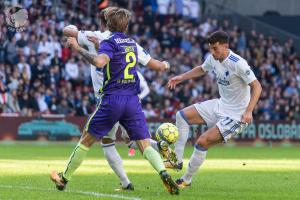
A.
pixel 226 116
pixel 87 39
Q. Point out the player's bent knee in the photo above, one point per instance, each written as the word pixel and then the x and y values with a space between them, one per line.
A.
pixel 181 117
pixel 203 142
pixel 191 115
pixel 143 144
pixel 107 141
pixel 87 139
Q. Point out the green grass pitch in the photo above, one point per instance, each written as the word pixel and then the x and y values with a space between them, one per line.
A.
pixel 228 173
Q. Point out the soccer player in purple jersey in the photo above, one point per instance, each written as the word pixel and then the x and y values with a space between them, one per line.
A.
pixel 117 56
pixel 91 40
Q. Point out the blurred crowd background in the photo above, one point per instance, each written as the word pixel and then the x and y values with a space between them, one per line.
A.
pixel 40 74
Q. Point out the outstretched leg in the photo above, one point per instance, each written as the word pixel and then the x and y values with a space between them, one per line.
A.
pixel 208 139
pixel 155 160
pixel 75 160
pixel 185 118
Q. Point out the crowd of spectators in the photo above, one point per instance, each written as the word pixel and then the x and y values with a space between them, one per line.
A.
pixel 40 74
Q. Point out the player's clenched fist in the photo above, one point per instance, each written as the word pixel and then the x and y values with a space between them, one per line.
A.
pixel 247 117
pixel 174 81
pixel 72 42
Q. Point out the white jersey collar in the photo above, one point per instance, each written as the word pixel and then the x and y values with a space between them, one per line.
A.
pixel 230 52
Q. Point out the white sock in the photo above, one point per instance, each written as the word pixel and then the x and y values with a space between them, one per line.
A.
pixel 153 143
pixel 196 161
pixel 183 129
pixel 115 162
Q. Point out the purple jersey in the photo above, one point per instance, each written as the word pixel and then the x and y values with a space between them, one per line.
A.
pixel 120 76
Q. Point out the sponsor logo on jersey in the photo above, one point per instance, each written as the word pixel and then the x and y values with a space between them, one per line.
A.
pixel 126 40
pixel 247 72
pixel 223 81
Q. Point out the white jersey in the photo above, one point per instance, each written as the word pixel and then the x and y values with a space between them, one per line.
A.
pixel 143 86
pixel 233 76
pixel 96 73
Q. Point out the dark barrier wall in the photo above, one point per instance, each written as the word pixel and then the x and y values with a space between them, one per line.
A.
pixel 287 23
pixel 9 126
pixel 70 127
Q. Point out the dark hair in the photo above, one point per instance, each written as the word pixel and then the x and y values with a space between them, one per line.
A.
pixel 102 17
pixel 218 36
pixel 117 20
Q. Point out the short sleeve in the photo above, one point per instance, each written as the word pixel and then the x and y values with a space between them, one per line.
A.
pixel 244 72
pixel 107 47
pixel 143 56
pixel 207 65
pixel 82 37
pixel 83 40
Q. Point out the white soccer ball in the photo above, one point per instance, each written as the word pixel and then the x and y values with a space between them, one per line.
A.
pixel 167 132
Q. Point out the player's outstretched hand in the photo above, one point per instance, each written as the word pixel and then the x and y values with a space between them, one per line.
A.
pixel 72 42
pixel 174 81
pixel 247 117
pixel 94 40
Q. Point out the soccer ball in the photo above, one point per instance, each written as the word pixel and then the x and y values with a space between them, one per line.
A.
pixel 167 132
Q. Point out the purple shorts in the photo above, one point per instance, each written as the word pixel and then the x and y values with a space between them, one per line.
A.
pixel 125 109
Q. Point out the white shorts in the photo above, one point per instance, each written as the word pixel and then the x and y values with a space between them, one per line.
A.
pixel 210 113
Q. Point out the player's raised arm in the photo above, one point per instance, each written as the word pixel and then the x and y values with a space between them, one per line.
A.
pixel 195 72
pixel 158 65
pixel 145 59
pixel 97 60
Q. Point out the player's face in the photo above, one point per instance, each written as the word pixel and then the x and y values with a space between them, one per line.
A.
pixel 218 50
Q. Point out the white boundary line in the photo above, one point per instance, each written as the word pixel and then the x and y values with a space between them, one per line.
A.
pixel 94 194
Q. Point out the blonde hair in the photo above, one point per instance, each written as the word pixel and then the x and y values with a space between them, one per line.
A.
pixel 117 19
pixel 102 14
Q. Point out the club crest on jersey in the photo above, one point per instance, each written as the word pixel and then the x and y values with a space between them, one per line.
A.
pixel 227 73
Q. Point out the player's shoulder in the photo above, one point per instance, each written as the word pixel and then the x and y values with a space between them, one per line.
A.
pixel 236 61
pixel 120 38
pixel 87 33
pixel 102 35
pixel 109 39
pixel 235 58
pixel 208 57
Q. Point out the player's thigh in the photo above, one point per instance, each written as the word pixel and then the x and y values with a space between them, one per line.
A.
pixel 208 111
pixel 134 121
pixel 210 137
pixel 136 128
pixel 111 136
pixel 192 115
pixel 124 134
pixel 87 139
pixel 103 118
pixel 229 127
